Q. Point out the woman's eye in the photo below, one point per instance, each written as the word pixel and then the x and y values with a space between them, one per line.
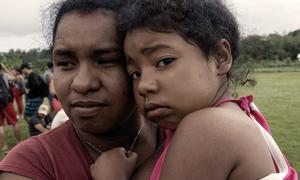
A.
pixel 164 62
pixel 134 75
pixel 105 62
pixel 108 62
pixel 65 65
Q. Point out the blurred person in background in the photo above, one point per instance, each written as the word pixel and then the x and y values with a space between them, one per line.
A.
pixel 55 105
pixel 18 88
pixel 34 90
pixel 7 111
pixel 40 122
pixel 59 118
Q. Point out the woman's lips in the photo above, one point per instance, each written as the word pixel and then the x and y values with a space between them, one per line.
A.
pixel 88 108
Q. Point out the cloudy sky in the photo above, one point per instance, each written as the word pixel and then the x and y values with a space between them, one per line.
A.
pixel 20 20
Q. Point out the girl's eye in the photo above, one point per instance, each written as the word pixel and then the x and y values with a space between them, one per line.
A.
pixel 164 62
pixel 134 75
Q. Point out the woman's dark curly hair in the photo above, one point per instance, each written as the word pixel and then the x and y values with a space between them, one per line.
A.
pixel 57 10
pixel 201 22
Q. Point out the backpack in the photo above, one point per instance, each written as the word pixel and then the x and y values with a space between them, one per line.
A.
pixel 43 87
pixel 4 93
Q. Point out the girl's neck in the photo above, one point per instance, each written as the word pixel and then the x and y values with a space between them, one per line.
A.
pixel 222 92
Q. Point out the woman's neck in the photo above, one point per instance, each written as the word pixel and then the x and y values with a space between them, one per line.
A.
pixel 137 135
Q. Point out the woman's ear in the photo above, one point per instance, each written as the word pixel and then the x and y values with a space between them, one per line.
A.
pixel 223 57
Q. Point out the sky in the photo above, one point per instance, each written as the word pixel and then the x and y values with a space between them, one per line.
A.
pixel 21 24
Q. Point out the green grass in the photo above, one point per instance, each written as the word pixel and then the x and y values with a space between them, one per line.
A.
pixel 9 136
pixel 277 66
pixel 278 69
pixel 278 97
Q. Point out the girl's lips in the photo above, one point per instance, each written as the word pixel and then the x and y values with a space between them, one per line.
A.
pixel 155 111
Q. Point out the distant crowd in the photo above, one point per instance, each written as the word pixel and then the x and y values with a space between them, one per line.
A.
pixel 41 109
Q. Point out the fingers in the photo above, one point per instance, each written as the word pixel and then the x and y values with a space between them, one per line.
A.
pixel 119 152
pixel 132 155
pixel 92 167
pixel 117 162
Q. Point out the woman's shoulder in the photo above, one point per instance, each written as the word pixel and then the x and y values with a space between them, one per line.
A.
pixel 46 142
pixel 24 153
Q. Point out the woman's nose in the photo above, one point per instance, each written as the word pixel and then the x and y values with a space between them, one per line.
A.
pixel 86 79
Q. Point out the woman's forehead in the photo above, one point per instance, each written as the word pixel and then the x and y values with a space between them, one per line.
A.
pixel 94 29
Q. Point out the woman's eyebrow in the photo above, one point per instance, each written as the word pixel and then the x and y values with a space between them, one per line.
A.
pixel 108 50
pixel 63 52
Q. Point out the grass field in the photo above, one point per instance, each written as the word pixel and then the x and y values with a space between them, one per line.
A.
pixel 278 97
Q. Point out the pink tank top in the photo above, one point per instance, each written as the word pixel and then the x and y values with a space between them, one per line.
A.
pixel 284 170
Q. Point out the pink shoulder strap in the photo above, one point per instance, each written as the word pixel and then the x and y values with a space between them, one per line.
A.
pixel 247 105
pixel 158 166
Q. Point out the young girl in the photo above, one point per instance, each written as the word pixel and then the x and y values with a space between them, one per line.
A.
pixel 180 55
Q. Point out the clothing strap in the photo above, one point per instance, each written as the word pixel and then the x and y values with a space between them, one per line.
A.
pixel 283 168
pixel 247 105
pixel 158 166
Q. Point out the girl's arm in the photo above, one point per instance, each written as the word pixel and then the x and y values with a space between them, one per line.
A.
pixel 217 143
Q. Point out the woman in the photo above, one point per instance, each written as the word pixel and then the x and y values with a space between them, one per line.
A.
pixel 92 86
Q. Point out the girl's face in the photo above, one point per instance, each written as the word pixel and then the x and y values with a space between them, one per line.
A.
pixel 171 77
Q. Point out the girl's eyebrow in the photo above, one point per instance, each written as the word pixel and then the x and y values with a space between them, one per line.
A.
pixel 151 49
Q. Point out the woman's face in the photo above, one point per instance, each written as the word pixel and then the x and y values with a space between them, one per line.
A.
pixel 171 77
pixel 89 74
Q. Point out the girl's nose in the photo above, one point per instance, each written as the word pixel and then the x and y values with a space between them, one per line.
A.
pixel 147 85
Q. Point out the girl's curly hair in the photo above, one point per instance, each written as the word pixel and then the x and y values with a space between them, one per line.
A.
pixel 201 22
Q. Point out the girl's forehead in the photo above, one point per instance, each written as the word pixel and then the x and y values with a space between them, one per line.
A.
pixel 147 41
pixel 146 37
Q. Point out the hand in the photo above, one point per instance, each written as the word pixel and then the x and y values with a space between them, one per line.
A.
pixel 3 66
pixel 115 164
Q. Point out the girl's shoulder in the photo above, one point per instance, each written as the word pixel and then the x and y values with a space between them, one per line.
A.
pixel 218 120
pixel 214 142
pixel 226 127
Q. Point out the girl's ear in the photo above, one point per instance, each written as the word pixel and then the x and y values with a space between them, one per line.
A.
pixel 223 57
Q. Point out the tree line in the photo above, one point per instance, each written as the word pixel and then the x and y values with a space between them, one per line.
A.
pixel 273 47
pixel 258 49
